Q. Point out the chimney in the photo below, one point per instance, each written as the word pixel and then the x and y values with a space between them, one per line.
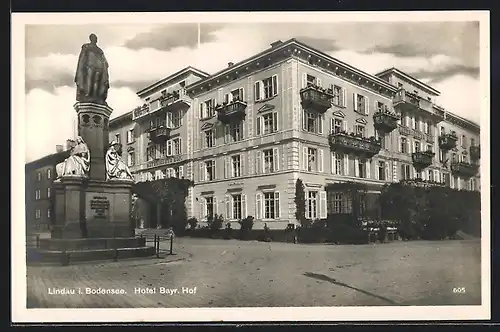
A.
pixel 276 43
pixel 59 148
pixel 230 64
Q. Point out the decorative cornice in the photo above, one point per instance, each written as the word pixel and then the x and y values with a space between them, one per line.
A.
pixel 340 114
pixel 461 122
pixel 207 125
pixel 362 121
pixel 265 108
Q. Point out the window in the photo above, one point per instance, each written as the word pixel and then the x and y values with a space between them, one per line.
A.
pixel 473 185
pixel 38 214
pixel 130 136
pixel 454 157
pixel 463 141
pixel 150 153
pixel 209 138
pixel 312 160
pixel 429 148
pixel 209 170
pixel 472 142
pixel 209 206
pixel 49 173
pixel 337 205
pixel 360 130
pixel 381 138
pixel 405 172
pixel 48 192
pixel 404 145
pixel 176 146
pixel 118 138
pixel 235 131
pixel 428 127
pixel 338 163
pixel 131 158
pixel 37 194
pixel 38 176
pixel 381 171
pixel 336 125
pixel 268 161
pixel 361 165
pixel 417 146
pixel 404 119
pixel 48 213
pixel 380 106
pixel 338 95
pixel 464 157
pixel 175 119
pixel 236 166
pixel 360 104
pixel 207 109
pixel 266 88
pixel 413 123
pixel 234 95
pixel 163 149
pixel 441 155
pixel 271 205
pixel 313 122
pixel 430 175
pixel 312 205
pixel 236 206
pixel 267 123
pixel 442 131
pixel 400 85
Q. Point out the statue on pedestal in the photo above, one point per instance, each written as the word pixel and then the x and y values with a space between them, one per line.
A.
pixel 78 163
pixel 92 79
pixel 115 166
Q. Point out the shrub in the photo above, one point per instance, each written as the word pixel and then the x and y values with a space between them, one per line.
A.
pixel 215 222
pixel 300 202
pixel 192 222
pixel 228 231
pixel 246 226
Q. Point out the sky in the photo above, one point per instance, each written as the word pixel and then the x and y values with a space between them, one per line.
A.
pixel 444 55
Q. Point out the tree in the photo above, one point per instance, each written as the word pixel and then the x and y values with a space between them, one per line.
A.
pixel 300 202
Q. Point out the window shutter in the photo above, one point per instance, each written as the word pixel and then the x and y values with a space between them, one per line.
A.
pixel 304 120
pixel 375 106
pixel 227 97
pixel 202 171
pixel 256 89
pixel 318 81
pixel 202 212
pixel 344 126
pixel 321 120
pixel 220 95
pixel 276 160
pixel 304 159
pixel 275 121
pixel 332 123
pixel 344 97
pixel 258 206
pixel 459 185
pixel 386 166
pixel 259 125
pixel 226 167
pixel 333 162
pixel 258 162
pixel 452 181
pixel 304 80
pixel 181 172
pixel 322 204
pixel 275 85
pixel 377 176
pixel 244 206
pixel 355 101
pixel 242 94
pixel 229 211
pixel 408 147
pixel 216 206
pixel 277 205
pixel 320 160
pixel 367 106
pixel 346 164
pixel 226 134
pixel 202 110
pixel 356 167
pixel 436 176
pixel 413 122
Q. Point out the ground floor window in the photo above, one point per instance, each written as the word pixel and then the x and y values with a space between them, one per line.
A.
pixel 312 205
pixel 209 206
pixel 236 206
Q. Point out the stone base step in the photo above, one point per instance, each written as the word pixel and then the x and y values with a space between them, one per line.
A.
pixel 91 243
pixel 57 256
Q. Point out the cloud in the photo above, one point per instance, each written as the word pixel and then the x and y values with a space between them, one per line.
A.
pixel 50 117
pixel 323 44
pixel 170 36
pixel 401 50
pixel 440 75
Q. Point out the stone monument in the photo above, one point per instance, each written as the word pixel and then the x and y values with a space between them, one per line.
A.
pixel 93 189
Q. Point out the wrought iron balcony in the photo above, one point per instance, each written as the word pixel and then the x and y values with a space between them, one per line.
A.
pixel 412 102
pixel 464 169
pixel 422 159
pixel 385 121
pixel 159 134
pixel 165 161
pixel 475 152
pixel 231 112
pixel 316 98
pixel 351 143
pixel 447 141
pixel 170 102
pixel 417 182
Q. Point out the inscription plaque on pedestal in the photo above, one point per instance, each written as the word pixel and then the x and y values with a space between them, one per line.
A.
pixel 98 205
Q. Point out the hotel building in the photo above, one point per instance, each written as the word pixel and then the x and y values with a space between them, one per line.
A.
pixel 245 134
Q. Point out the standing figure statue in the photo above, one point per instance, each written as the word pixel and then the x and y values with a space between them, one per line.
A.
pixel 92 79
pixel 115 166
pixel 78 163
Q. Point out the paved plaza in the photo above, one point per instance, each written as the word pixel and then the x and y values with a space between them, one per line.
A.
pixel 231 273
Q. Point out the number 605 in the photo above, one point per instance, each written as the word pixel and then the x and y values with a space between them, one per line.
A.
pixel 459 290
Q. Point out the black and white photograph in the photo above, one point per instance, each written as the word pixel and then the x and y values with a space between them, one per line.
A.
pixel 250 166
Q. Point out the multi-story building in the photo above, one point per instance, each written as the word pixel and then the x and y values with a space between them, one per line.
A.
pixel 245 134
pixel 39 176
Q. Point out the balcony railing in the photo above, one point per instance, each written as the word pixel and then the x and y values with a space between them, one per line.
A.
pixel 170 101
pixel 316 98
pixel 385 121
pixel 464 169
pixel 417 182
pixel 447 141
pixel 422 159
pixel 475 152
pixel 159 134
pixel 233 111
pixel 165 161
pixel 411 101
pixel 351 143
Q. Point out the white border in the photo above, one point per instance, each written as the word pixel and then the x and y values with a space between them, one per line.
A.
pixel 21 314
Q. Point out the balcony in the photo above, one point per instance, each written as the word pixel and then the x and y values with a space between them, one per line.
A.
pixel 475 152
pixel 316 98
pixel 417 182
pixel 385 121
pixel 159 134
pixel 170 102
pixel 422 159
pixel 464 169
pixel 411 102
pixel 351 143
pixel 165 161
pixel 231 112
pixel 447 141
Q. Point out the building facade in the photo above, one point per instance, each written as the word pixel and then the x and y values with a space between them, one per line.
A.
pixel 244 135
